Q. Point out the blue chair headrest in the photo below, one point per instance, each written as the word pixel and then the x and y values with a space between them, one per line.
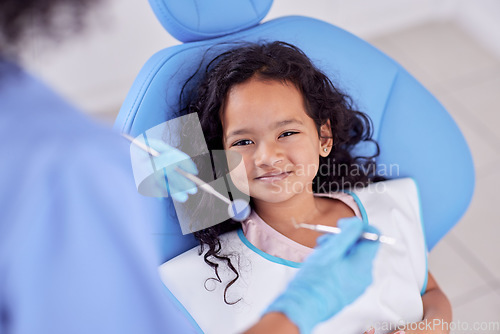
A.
pixel 195 20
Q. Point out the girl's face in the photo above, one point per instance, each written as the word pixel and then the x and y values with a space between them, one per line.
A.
pixel 266 122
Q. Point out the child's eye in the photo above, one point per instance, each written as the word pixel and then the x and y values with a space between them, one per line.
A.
pixel 243 142
pixel 287 134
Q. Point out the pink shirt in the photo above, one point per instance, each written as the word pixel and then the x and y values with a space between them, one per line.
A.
pixel 272 242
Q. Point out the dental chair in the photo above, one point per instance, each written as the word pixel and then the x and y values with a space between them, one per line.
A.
pixel 414 131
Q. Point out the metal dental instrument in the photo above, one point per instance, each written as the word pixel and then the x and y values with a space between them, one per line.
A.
pixel 239 209
pixel 335 230
pixel 203 185
pixel 141 145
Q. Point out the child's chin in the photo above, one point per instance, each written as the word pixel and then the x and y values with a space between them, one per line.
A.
pixel 272 197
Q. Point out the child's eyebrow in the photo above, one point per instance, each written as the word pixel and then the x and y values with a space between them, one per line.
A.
pixel 275 126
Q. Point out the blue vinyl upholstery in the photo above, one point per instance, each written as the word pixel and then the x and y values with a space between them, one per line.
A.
pixel 194 20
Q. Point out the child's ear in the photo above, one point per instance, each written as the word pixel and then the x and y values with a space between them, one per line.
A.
pixel 325 139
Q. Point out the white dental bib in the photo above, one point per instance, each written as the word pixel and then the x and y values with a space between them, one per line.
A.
pixel 394 298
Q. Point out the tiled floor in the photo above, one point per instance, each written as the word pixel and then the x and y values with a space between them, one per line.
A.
pixel 465 77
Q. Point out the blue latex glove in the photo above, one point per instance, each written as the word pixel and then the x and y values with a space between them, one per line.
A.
pixel 332 277
pixel 178 186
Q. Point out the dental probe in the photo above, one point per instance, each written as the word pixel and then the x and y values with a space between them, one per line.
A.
pixel 203 185
pixel 141 145
pixel 239 209
pixel 335 230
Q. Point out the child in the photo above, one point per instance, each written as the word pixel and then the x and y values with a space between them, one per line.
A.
pixel 295 132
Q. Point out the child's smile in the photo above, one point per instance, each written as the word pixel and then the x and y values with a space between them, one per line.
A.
pixel 266 122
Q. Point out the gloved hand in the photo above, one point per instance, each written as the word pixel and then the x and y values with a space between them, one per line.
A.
pixel 333 276
pixel 154 175
pixel 179 186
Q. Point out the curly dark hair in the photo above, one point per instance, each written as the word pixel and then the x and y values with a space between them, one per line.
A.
pixel 286 63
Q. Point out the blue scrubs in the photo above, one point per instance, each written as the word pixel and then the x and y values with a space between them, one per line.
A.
pixel 75 250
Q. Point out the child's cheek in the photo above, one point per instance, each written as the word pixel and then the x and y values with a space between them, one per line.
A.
pixel 238 171
pixel 305 160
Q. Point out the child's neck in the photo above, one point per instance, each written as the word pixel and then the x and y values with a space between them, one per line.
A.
pixel 303 208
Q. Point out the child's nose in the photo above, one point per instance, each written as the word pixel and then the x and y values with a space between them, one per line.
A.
pixel 268 155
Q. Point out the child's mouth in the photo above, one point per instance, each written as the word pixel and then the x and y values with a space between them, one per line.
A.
pixel 274 177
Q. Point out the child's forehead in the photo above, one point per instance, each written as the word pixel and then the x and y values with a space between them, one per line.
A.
pixel 265 119
pixel 258 104
pixel 271 97
pixel 239 122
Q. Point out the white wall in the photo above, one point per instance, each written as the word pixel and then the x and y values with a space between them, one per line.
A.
pixel 481 19
pixel 96 69
pixel 366 18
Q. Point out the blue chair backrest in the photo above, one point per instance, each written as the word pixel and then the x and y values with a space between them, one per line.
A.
pixel 417 137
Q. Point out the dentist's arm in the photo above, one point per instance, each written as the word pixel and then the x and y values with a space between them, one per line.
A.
pixel 274 322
